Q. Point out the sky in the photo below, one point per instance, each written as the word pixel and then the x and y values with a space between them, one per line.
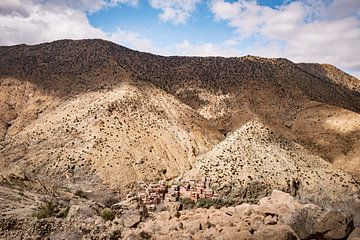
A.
pixel 323 31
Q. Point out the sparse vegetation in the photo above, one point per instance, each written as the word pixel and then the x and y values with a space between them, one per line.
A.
pixel 46 210
pixel 107 214
pixel 187 203
pixel 90 110
pixel 50 209
pixel 216 203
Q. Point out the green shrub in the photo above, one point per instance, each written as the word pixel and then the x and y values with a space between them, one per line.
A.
pixel 47 210
pixel 107 214
pixel 216 203
pixel 186 203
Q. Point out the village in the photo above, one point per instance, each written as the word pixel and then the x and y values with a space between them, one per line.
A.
pixel 154 194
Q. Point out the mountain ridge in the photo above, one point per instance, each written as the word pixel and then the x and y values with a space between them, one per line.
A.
pixel 86 123
pixel 299 101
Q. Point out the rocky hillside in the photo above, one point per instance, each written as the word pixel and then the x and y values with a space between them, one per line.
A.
pixel 93 117
pixel 131 133
pixel 314 105
pixel 254 160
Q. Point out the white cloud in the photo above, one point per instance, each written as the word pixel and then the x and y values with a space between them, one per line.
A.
pixel 31 22
pixel 175 11
pixel 8 7
pixel 43 22
pixel 185 48
pixel 132 40
pixel 307 30
pixel 88 5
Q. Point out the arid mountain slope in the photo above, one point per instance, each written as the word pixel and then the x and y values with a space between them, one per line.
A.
pixel 253 160
pixel 298 100
pixel 314 105
pixel 130 133
pixel 89 119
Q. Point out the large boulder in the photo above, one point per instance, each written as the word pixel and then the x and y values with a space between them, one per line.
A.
pixel 282 232
pixel 313 221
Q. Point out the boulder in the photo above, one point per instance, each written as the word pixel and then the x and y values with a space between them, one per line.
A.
pixel 231 233
pixel 282 232
pixel 131 219
pixel 328 224
pixel 81 211
pixel 355 234
pixel 192 227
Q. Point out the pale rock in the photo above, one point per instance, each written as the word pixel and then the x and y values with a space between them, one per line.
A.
pixel 210 233
pixel 243 209
pixel 163 216
pixel 329 223
pixel 244 235
pixel 270 220
pixel 243 226
pixel 355 234
pixel 192 227
pixel 80 211
pixel 256 225
pixel 131 219
pixel 282 232
pixel 179 226
pixel 229 233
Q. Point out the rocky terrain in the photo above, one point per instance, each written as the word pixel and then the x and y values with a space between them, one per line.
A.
pixel 65 216
pixel 253 160
pixel 90 118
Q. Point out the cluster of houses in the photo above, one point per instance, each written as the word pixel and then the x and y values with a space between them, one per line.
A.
pixel 163 192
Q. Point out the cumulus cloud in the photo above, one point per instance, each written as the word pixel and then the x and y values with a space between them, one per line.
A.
pixel 186 48
pixel 316 31
pixel 31 22
pixel 132 40
pixel 175 11
pixel 8 7
pixel 89 5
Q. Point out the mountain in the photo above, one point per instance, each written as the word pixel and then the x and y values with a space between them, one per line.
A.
pixel 254 160
pixel 131 133
pixel 89 118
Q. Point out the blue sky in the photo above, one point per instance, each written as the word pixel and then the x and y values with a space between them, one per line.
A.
pixel 200 26
pixel 325 31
